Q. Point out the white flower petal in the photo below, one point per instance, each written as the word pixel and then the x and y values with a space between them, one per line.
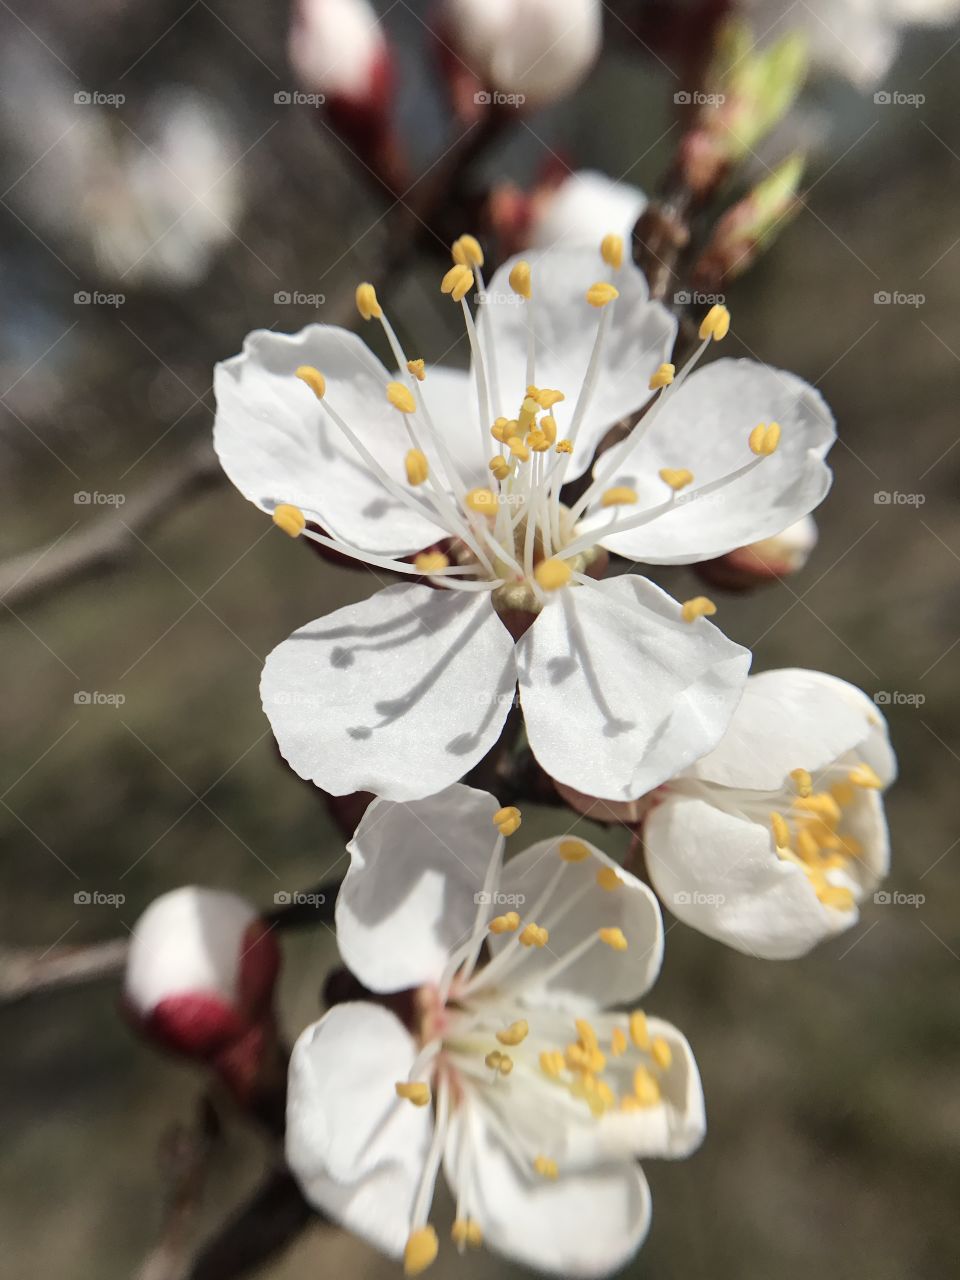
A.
pixel 581 1225
pixel 401 694
pixel 584 207
pixel 409 897
pixel 602 976
pixel 355 1148
pixel 640 338
pixel 619 694
pixel 451 400
pixel 704 428
pixel 720 874
pixel 277 444
pixel 790 719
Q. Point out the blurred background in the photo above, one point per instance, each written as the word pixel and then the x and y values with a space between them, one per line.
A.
pixel 161 197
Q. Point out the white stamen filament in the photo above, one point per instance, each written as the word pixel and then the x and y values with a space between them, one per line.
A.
pixel 387 562
pixel 431 1168
pixel 483 392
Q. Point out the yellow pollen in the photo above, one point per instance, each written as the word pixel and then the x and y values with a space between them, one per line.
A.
pixel 802 781
pixel 515 1034
pixel 639 1031
pixel 528 411
pixel 552 574
pixel 401 397
pixel 599 294
pixel 421 1250
pixel 499 466
pixel 863 776
pixel 836 896
pixel 618 1042
pixel 564 446
pixel 572 851
pixel 520 279
pixel 314 380
pixel 367 303
pixel 661 1053
pixel 506 1064
pixel 466 252
pixel 499 430
pixel 716 323
pixel 518 448
pixel 546 1168
pixel 608 879
pixel 548 427
pixel 418 368
pixel 538 442
pixel 781 832
pixel 619 496
pixel 493 1060
pixel 546 398
pixel 431 561
pixel 417 466
pixel 763 439
pixel 698 607
pixel 416 1092
pixel 507 820
pixel 663 377
pixel 822 804
pixel 588 1036
pixel 458 282
pixel 509 923
pixel 483 501
pixel 466 1232
pixel 676 477
pixel 551 1063
pixel 290 519
pixel 614 938
pixel 611 251
pixel 532 935
pixel 807 846
pixel 646 1088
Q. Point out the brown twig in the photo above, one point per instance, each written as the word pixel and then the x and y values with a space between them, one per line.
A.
pixel 29 970
pixel 270 1220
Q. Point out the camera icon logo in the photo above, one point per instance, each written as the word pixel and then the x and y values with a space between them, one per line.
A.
pixel 882 898
pixel 82 98
pixel 81 298
pixel 482 98
pixel 282 98
pixel 81 698
pixel 882 298
pixel 683 298
pixel 882 698
pixel 681 899
pixel 882 498
pixel 882 98
pixel 682 98
pixel 82 498
pixel 281 298
pixel 82 898
pixel 282 898
pixel 482 898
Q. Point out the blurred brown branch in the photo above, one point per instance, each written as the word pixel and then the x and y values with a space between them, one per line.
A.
pixel 26 971
pixel 270 1220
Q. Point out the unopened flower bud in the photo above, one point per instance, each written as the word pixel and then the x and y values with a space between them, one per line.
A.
pixel 764 561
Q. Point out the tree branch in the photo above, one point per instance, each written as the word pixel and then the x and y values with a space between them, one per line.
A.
pixel 28 970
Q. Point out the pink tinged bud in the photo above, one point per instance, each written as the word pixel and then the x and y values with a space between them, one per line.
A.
pixel 765 561
pixel 201 972
pixel 532 51
pixel 621 812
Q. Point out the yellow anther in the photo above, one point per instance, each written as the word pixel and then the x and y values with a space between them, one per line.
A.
pixel 611 251
pixel 613 938
pixel 608 879
pixel 663 377
pixel 587 1034
pixel 676 477
pixel 552 574
pixel 431 562
pixel 572 851
pixel 716 323
pixel 518 448
pixel 520 279
pixel 500 431
pixel 548 426
pixel 802 781
pixel 545 1167
pixel 807 845
pixel 466 1232
pixel 619 496
pixel 290 519
pixel 546 398
pixel 538 441
pixel 863 776
pixel 515 1034
pixel 822 804
pixel 500 466
pixel 418 368
pixel 417 466
pixel 508 923
pixel 421 1250
pixel 551 1063
pixel 416 1092
pixel 532 935
pixel 314 380
pixel 646 1087
pixel 506 1064
pixel 564 446
pixel 661 1052
pixel 639 1030
pixel 493 1060
pixel 507 820
pixel 599 294
pixel 698 607
pixel 401 397
pixel 458 282
pixel 843 793
pixel 367 303
pixel 483 501
pixel 528 411
pixel 618 1042
pixel 764 438
pixel 836 896
pixel 605 1096
pixel 781 832
pixel 466 252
